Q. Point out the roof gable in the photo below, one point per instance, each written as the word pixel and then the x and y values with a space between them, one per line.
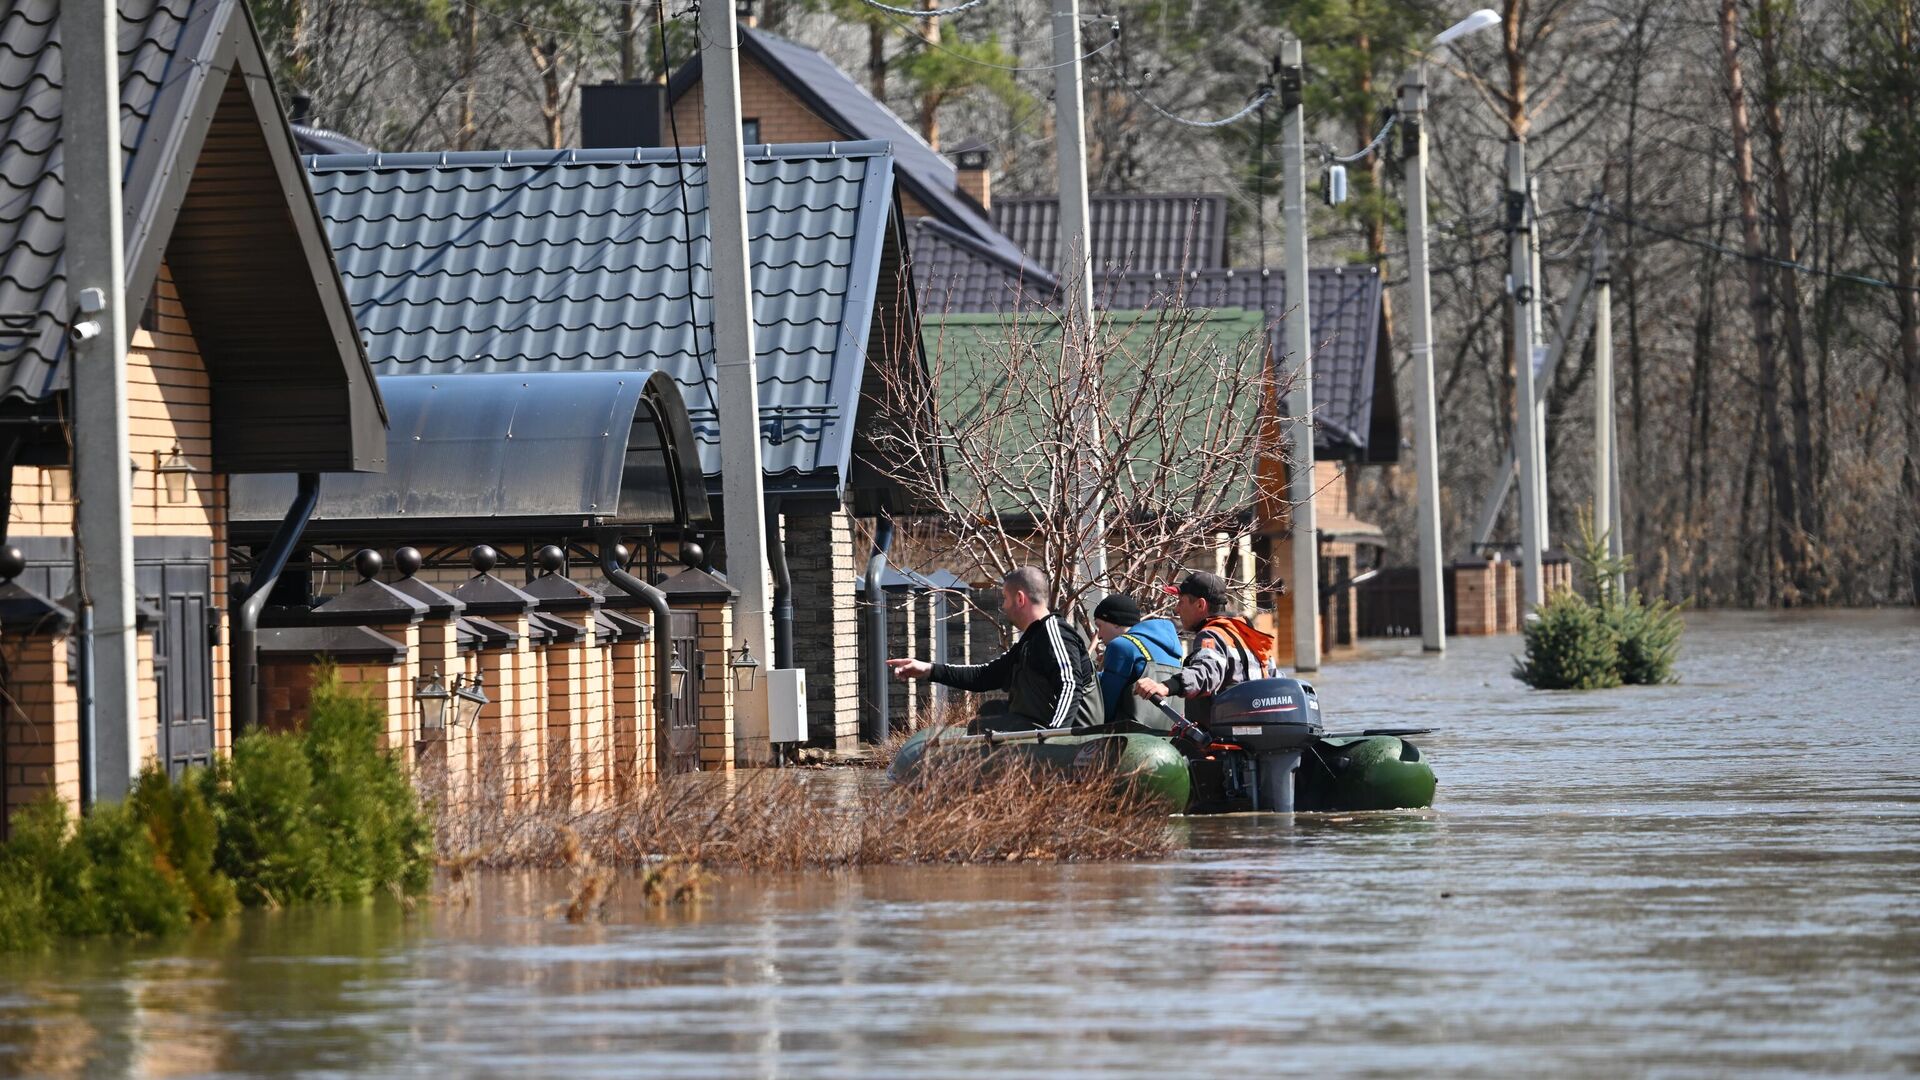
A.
pixel 577 261
pixel 835 97
pixel 211 184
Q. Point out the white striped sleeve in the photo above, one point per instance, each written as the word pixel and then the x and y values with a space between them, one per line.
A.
pixel 1069 690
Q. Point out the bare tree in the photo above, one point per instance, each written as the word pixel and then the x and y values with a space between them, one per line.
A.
pixel 996 438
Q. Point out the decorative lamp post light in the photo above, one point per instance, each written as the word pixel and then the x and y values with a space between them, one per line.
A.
pixel 174 472
pixel 678 686
pixel 745 669
pixel 430 698
pixel 469 699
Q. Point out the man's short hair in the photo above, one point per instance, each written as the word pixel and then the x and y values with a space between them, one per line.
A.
pixel 1030 580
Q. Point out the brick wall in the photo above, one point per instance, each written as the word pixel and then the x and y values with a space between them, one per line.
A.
pixel 826 624
pixel 716 685
pixel 783 118
pixel 40 723
pixel 169 404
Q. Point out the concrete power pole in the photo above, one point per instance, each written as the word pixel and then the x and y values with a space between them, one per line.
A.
pixel 1426 448
pixel 1525 428
pixel 1537 281
pixel 742 494
pixel 1606 508
pixel 1306 538
pixel 1076 259
pixel 96 284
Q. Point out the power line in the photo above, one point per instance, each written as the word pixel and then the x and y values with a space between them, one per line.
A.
pixel 1767 260
pixel 1392 119
pixel 933 13
pixel 964 58
pixel 686 217
pixel 1264 95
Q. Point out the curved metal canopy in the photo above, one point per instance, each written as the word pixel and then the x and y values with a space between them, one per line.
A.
pixel 559 450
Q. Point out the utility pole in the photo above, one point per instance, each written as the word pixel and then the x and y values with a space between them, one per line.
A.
pixel 1293 193
pixel 1426 448
pixel 1525 428
pixel 1605 523
pixel 742 495
pixel 1076 272
pixel 103 488
pixel 1537 281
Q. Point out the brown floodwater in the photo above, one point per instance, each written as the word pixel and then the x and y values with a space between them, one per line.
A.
pixel 1720 877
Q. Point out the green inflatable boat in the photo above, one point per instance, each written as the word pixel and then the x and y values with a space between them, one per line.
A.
pixel 1267 751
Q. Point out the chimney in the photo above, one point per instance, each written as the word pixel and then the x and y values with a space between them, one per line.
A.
pixel 621 116
pixel 971 159
pixel 743 13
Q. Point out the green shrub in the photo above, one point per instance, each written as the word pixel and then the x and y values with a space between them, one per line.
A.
pixel 323 815
pixel 1564 646
pixel 184 834
pixel 101 876
pixel 1647 637
pixel 1569 646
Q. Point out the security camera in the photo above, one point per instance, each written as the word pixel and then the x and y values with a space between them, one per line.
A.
pixel 85 330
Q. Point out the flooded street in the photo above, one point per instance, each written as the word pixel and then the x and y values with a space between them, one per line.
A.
pixel 1719 877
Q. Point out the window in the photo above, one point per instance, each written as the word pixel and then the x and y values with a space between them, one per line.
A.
pixel 750 131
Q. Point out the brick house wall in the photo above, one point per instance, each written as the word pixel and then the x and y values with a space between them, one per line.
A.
pixel 783 118
pixel 169 403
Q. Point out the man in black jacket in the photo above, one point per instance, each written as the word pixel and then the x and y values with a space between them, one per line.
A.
pixel 1048 674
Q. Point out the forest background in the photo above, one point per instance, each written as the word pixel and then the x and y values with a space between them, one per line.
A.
pixel 1753 164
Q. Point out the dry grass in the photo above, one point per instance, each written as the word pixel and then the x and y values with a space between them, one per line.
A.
pixel 967 811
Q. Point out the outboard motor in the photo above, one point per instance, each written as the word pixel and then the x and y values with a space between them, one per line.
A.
pixel 1273 720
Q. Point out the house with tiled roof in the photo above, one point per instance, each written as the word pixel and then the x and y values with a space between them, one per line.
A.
pixel 242 358
pixel 972 253
pixel 552 268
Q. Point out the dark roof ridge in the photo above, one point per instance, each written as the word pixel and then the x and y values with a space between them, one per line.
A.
pixel 640 155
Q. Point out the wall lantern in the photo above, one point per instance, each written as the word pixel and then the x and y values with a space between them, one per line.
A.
pixel 430 697
pixel 745 669
pixel 677 674
pixel 174 470
pixel 469 699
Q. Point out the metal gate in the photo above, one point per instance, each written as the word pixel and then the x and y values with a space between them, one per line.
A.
pixel 180 594
pixel 679 745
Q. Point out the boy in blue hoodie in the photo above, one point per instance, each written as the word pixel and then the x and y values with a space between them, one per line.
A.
pixel 1136 648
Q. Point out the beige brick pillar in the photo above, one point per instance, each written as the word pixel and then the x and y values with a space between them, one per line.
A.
pixel 577 728
pixel 447 756
pixel 1474 611
pixel 513 727
pixel 826 623
pixel 41 722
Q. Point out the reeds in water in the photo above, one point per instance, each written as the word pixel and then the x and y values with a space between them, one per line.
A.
pixel 968 810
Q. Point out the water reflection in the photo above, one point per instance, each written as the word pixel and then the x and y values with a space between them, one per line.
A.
pixel 1717 877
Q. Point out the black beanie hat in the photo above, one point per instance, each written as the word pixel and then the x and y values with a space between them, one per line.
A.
pixel 1118 609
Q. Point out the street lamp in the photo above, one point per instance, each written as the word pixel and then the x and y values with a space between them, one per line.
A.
pixel 469 699
pixel 1426 451
pixel 174 472
pixel 677 673
pixel 430 698
pixel 745 669
pixel 1472 24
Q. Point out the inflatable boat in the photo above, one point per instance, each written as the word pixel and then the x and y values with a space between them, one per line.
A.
pixel 1263 748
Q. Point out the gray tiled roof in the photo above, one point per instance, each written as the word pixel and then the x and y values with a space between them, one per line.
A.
pixel 1352 389
pixel 32 197
pixel 955 273
pixel 1135 233
pixel 576 261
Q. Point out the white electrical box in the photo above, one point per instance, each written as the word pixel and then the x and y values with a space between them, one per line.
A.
pixel 787 705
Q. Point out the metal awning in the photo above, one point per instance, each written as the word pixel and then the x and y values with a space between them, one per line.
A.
pixel 533 451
